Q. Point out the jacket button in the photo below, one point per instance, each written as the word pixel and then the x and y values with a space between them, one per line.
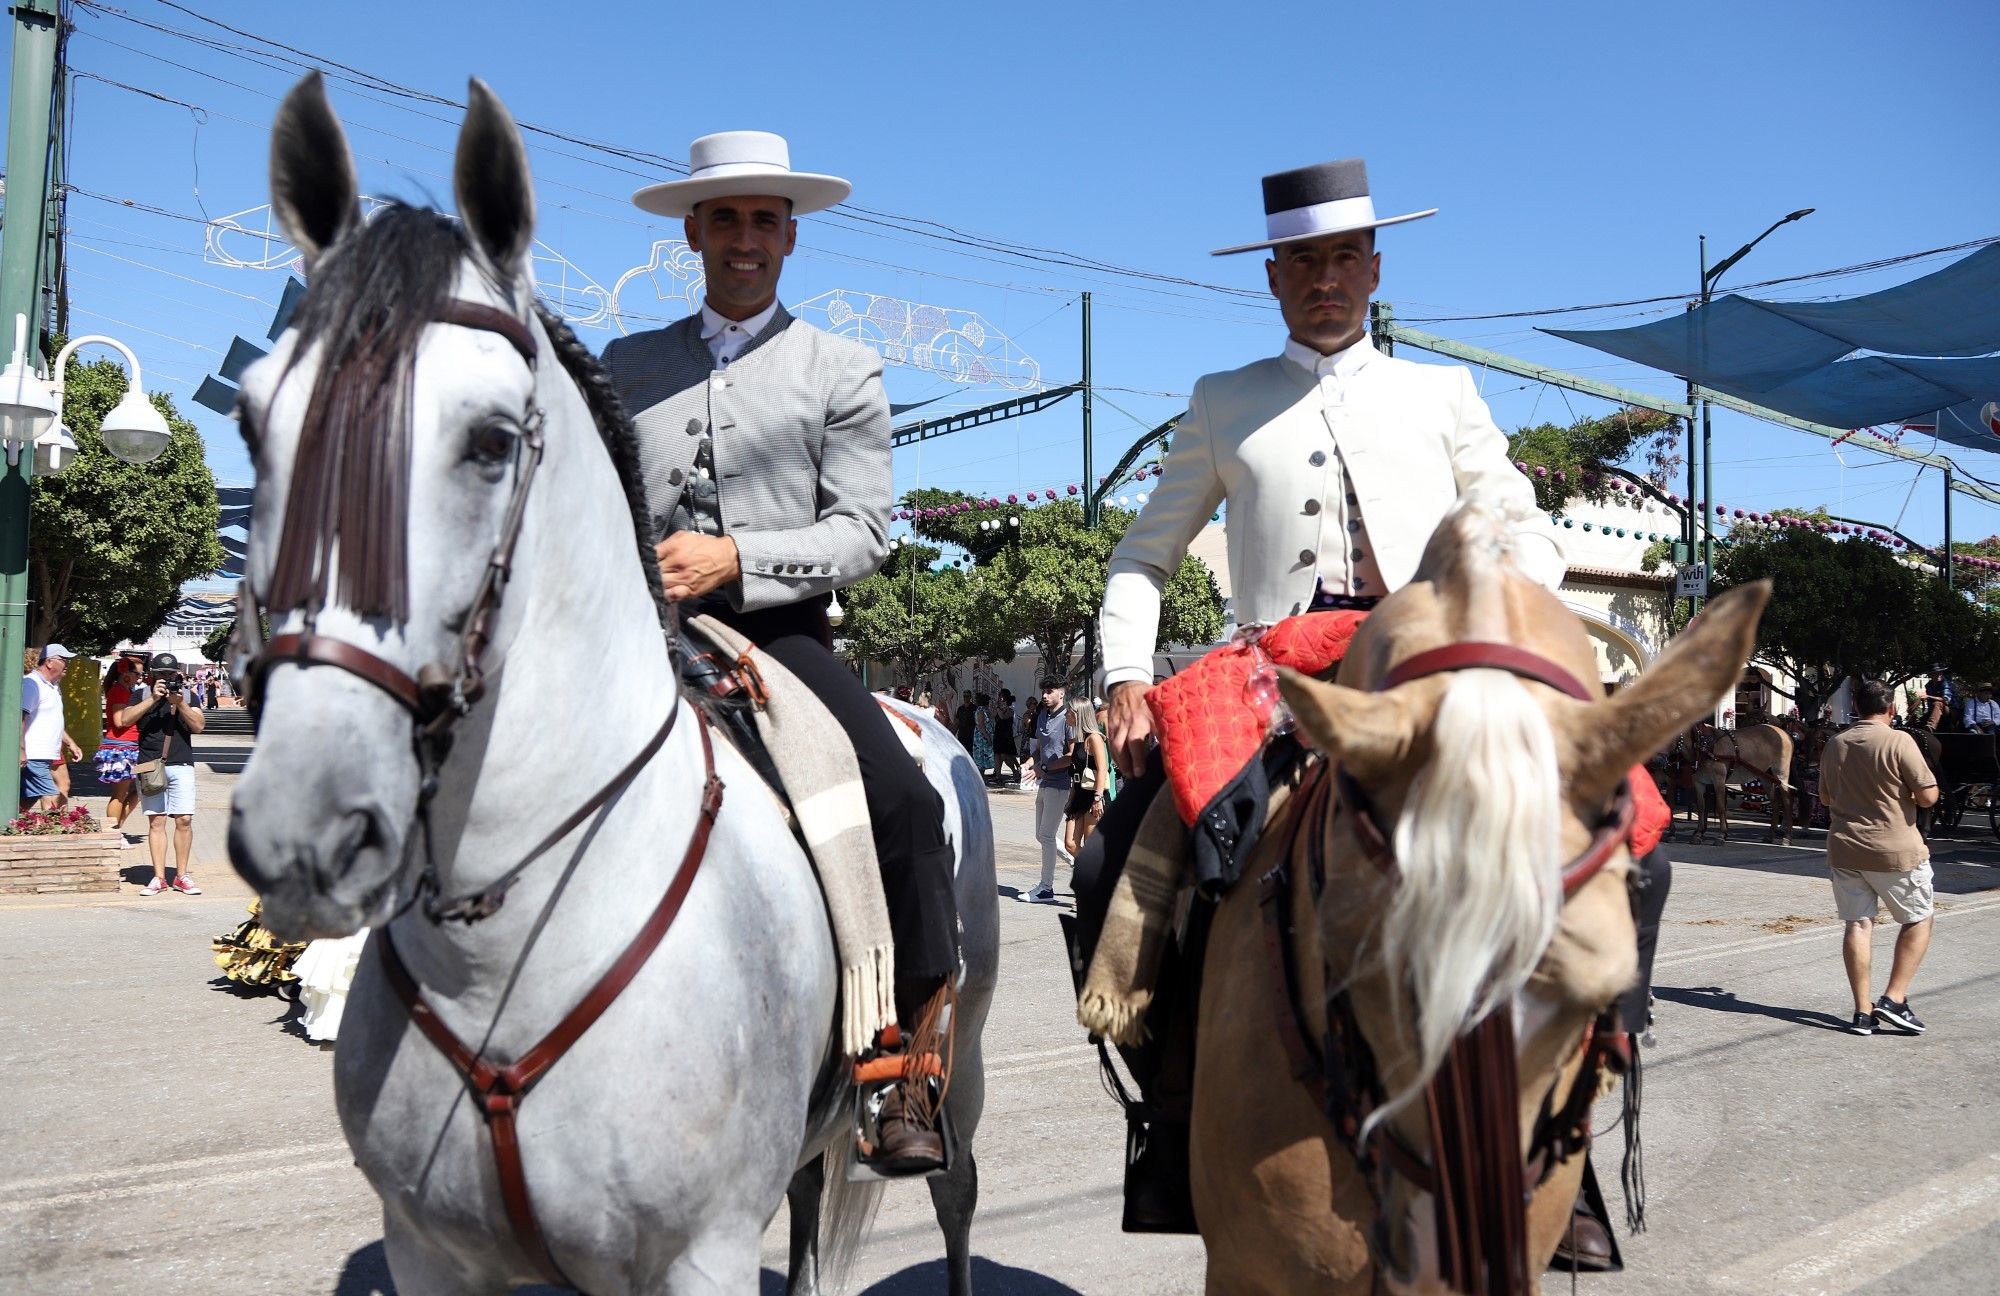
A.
pixel 1308 557
pixel 1353 527
pixel 1312 507
pixel 1318 457
pixel 1359 555
pixel 674 477
pixel 1353 499
pixel 694 427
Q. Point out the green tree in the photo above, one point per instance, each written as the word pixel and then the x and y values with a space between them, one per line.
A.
pixel 917 616
pixel 1856 609
pixel 111 543
pixel 1565 462
pixel 1044 581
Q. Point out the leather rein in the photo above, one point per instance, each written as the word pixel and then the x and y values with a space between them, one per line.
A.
pixel 436 698
pixel 1477 1178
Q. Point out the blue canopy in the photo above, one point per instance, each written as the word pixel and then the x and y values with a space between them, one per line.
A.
pixel 1933 343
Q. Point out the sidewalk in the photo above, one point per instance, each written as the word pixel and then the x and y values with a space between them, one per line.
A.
pixel 219 756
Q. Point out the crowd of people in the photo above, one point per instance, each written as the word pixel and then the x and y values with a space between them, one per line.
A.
pixel 152 709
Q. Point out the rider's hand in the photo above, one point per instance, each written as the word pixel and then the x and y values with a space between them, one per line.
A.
pixel 692 564
pixel 1131 727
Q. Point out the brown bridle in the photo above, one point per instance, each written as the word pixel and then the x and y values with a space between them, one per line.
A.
pixel 1477 1178
pixel 437 697
pixel 439 694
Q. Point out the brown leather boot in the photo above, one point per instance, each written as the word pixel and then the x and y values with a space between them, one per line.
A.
pixel 1585 1246
pixel 909 1145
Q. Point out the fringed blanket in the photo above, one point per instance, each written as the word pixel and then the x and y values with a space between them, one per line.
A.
pixel 1140 921
pixel 816 763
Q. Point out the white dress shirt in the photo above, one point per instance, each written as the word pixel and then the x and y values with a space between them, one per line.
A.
pixel 1351 569
pixel 726 337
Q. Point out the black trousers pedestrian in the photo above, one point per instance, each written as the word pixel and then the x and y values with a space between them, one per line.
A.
pixel 903 808
pixel 1005 751
pixel 1656 879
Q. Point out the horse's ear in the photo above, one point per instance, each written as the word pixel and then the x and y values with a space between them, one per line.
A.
pixel 313 189
pixel 496 199
pixel 1606 739
pixel 1371 734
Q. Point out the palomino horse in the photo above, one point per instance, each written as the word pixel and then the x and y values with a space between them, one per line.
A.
pixel 1726 756
pixel 427 439
pixel 1438 862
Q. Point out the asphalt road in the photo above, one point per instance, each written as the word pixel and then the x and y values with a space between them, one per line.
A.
pixel 166 1134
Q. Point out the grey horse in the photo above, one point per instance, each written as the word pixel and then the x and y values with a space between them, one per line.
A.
pixel 657 1149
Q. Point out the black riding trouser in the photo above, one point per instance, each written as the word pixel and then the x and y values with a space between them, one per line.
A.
pixel 903 808
pixel 1163 1066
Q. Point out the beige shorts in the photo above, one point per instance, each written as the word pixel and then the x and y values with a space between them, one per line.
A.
pixel 1907 896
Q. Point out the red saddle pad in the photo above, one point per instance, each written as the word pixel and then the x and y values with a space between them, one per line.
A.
pixel 1209 724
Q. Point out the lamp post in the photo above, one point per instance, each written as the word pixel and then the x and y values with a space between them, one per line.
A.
pixel 1708 280
pixel 31 420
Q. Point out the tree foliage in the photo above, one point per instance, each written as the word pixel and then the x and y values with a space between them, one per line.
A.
pixel 1568 461
pixel 111 543
pixel 919 617
pixel 1854 609
pixel 1042 582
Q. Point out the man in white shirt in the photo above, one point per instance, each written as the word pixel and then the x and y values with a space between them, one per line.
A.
pixel 1336 463
pixel 44 741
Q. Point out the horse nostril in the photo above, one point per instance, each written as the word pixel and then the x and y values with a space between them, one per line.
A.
pixel 358 831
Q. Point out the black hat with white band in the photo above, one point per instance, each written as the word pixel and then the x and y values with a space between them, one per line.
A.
pixel 1315 201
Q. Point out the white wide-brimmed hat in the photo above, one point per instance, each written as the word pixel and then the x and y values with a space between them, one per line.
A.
pixel 742 164
pixel 1315 201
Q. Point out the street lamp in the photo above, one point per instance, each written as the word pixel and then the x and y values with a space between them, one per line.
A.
pixel 31 409
pixel 1708 280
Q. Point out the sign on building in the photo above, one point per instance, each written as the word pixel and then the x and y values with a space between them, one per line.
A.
pixel 1690 582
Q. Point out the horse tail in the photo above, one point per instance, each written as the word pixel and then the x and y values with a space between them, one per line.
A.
pixel 847 1213
pixel 1481 887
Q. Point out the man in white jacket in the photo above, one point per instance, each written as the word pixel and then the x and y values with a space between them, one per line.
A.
pixel 1336 463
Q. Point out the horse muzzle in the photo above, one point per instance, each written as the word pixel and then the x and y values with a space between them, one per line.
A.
pixel 319 877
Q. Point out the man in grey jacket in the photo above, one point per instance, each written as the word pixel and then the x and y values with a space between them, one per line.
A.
pixel 765 448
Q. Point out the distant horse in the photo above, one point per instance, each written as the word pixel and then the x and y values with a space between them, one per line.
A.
pixel 426 439
pixel 1724 756
pixel 1455 874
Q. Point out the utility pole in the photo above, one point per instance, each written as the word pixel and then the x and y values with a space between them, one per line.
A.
pixel 1691 520
pixel 1947 531
pixel 30 144
pixel 1707 465
pixel 1089 499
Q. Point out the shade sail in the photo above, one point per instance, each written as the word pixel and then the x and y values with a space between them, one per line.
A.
pixel 1933 341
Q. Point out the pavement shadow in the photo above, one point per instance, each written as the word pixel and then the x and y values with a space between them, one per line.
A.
pixel 988 1279
pixel 1007 892
pixel 1720 1000
pixel 1956 867
pixel 366 1273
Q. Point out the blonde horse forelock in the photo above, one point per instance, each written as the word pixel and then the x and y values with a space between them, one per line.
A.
pixel 1480 886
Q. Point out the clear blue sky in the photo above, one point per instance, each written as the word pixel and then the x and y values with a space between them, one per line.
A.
pixel 1576 150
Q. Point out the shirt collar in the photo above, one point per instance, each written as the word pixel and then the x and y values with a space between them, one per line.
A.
pixel 712 324
pixel 1344 363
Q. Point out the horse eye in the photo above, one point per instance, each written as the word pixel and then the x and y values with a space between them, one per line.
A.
pixel 492 443
pixel 246 426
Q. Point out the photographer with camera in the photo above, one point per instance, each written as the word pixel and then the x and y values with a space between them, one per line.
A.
pixel 167 721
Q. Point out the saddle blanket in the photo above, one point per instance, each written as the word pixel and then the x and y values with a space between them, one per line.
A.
pixel 816 765
pixel 1209 721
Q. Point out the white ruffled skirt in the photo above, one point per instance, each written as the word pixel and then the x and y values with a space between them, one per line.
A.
pixel 325 971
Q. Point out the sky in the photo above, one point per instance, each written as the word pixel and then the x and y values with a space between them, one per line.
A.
pixel 1576 152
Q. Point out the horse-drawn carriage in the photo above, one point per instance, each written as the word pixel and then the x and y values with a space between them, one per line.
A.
pixel 1968 774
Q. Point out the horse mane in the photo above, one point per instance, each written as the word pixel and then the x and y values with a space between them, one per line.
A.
pixel 1481 881
pixel 374 291
pixel 621 442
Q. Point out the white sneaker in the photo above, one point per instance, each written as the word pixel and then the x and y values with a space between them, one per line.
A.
pixel 1039 895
